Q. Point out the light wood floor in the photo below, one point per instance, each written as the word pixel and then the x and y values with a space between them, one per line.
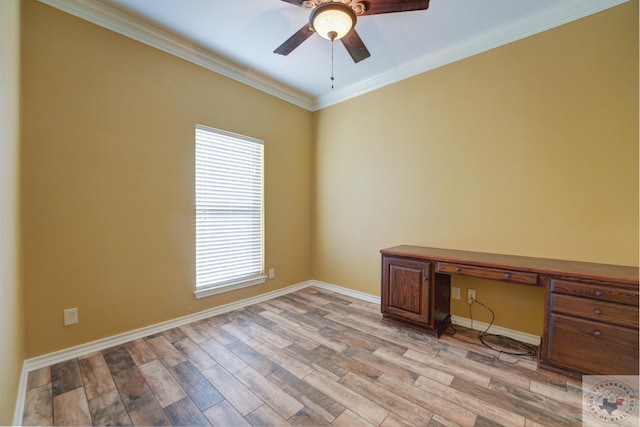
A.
pixel 309 358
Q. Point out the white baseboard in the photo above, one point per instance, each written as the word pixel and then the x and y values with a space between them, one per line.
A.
pixel 22 394
pixel 101 344
pixel 462 321
pixel 98 345
pixel 345 291
pixel 498 330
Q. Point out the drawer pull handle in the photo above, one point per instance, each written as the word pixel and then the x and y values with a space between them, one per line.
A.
pixel 598 293
pixel 597 311
pixel 597 333
pixel 457 269
pixel 507 275
pixel 425 278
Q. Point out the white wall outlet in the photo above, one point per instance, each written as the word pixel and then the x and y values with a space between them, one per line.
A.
pixel 471 296
pixel 455 292
pixel 71 316
pixel 272 273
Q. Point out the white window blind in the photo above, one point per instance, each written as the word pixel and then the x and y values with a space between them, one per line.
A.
pixel 229 211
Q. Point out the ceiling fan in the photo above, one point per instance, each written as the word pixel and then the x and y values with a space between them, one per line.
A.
pixel 336 19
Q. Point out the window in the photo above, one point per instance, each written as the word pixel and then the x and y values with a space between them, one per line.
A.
pixel 229 214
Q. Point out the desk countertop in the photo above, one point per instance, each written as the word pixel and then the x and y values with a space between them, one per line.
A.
pixel 588 270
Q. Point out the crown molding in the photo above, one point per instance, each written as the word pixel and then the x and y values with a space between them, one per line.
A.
pixel 107 17
pixel 550 17
pixel 112 19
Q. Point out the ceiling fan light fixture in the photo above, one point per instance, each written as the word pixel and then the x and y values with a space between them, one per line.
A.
pixel 333 20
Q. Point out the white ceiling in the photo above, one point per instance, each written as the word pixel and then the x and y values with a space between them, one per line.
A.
pixel 237 38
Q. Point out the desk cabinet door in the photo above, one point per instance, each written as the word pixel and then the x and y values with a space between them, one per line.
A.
pixel 405 289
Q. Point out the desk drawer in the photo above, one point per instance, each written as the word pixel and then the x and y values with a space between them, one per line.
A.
pixel 592 347
pixel 600 311
pixel 489 273
pixel 600 292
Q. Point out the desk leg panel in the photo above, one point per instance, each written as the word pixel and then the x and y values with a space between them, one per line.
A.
pixel 441 299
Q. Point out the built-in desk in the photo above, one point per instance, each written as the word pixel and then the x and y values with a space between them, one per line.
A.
pixel 590 315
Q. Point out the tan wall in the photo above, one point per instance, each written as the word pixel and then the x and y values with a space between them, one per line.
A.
pixel 108 170
pixel 528 149
pixel 11 306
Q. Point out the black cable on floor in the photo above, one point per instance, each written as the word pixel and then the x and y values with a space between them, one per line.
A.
pixel 527 350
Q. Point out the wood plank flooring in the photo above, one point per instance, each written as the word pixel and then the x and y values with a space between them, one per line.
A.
pixel 309 358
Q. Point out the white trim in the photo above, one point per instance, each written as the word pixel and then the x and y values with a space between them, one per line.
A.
pixel 98 345
pixel 550 17
pixel 498 330
pixel 107 17
pixel 18 413
pixel 215 290
pixel 462 321
pixel 101 344
pixel 345 291
pixel 112 19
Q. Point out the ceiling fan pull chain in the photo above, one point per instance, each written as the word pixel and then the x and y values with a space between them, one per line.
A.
pixel 332 36
pixel 332 79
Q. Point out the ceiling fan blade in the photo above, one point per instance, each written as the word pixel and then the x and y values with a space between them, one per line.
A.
pixel 375 7
pixel 294 41
pixel 295 2
pixel 355 46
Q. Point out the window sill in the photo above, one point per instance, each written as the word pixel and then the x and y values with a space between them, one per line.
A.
pixel 213 290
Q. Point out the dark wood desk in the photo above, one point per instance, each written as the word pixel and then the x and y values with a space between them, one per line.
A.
pixel 590 315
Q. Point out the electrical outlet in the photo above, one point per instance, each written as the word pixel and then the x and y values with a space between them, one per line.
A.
pixel 71 316
pixel 272 273
pixel 455 292
pixel 471 296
